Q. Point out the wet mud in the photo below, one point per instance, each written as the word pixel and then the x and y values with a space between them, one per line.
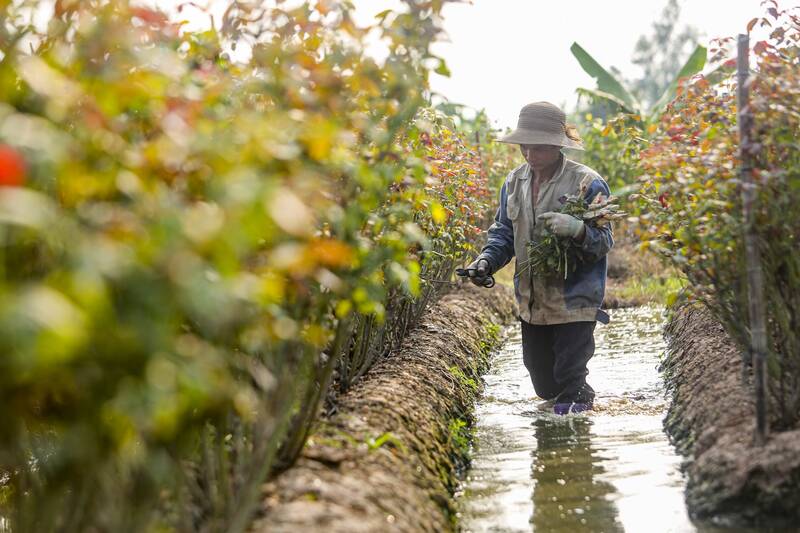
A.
pixel 388 459
pixel 711 421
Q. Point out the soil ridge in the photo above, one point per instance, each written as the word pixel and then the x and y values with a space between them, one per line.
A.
pixel 730 480
pixel 388 459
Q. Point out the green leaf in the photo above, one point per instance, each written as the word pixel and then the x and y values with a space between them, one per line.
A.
pixel 693 65
pixel 606 82
pixel 720 72
pixel 601 96
pixel 442 69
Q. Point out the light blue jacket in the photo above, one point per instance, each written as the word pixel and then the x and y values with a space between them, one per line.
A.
pixel 551 300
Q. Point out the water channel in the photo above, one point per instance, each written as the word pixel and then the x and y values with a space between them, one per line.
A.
pixel 610 470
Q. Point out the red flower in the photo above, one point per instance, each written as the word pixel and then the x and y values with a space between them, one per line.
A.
pixel 12 167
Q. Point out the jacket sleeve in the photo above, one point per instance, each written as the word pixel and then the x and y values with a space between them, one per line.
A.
pixel 499 247
pixel 598 240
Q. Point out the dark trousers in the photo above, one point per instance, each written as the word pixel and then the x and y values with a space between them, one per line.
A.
pixel 556 358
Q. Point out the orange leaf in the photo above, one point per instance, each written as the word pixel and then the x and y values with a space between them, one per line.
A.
pixel 150 16
pixel 331 252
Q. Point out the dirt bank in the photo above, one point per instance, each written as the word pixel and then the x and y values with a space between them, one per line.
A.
pixel 387 460
pixel 711 422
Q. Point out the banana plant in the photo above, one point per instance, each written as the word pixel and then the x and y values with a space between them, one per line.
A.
pixel 610 89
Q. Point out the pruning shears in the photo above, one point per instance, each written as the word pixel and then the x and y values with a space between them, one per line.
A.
pixel 488 282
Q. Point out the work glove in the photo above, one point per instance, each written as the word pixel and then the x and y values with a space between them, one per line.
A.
pixel 479 272
pixel 562 225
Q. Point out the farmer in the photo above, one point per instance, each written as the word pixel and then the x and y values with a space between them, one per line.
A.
pixel 557 315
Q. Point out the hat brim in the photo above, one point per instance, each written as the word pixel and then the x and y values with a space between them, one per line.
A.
pixel 522 136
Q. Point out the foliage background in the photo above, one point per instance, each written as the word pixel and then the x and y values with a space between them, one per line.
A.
pixel 195 254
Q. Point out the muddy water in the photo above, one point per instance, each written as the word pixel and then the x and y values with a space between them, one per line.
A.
pixel 610 470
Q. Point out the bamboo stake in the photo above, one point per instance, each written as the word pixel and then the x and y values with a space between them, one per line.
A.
pixel 755 287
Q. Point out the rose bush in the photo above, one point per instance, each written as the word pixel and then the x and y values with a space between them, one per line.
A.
pixel 612 148
pixel 691 205
pixel 192 249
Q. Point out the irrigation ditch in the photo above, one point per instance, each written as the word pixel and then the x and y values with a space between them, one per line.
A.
pixel 437 439
pixel 389 457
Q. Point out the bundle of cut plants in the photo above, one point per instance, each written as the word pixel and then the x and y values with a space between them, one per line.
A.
pixel 559 256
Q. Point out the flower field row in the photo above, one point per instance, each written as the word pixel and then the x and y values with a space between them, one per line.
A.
pixel 692 209
pixel 196 252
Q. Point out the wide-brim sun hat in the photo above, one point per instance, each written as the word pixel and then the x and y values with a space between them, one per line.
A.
pixel 541 123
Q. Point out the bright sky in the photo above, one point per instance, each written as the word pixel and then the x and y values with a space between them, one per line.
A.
pixel 504 54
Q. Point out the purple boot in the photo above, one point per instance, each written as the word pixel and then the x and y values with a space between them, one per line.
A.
pixel 571 407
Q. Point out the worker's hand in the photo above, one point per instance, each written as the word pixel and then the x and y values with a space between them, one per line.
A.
pixel 562 225
pixel 481 270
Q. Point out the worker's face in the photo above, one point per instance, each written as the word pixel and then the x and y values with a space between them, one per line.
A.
pixel 540 156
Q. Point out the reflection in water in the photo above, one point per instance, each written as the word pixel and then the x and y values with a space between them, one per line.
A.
pixel 567 494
